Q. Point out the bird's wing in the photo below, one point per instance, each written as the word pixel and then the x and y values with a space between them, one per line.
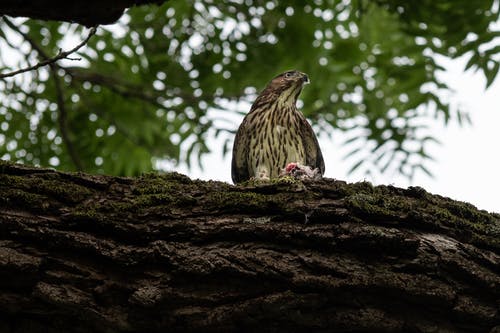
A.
pixel 314 157
pixel 239 164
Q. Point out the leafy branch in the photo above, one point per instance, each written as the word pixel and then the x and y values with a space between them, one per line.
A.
pixel 51 62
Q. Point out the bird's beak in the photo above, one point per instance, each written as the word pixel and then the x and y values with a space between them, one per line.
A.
pixel 305 79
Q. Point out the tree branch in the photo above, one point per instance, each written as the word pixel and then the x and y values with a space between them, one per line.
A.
pixel 163 253
pixel 63 122
pixel 118 87
pixel 49 60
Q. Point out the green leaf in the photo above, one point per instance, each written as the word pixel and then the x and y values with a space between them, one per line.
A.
pixel 425 170
pixel 355 166
pixel 472 61
pixel 491 74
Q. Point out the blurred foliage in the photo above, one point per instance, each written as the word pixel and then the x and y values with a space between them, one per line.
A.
pixel 159 83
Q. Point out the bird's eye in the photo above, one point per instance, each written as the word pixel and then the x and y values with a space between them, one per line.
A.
pixel 288 74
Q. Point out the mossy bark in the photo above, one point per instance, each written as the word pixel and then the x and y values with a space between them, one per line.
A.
pixel 163 253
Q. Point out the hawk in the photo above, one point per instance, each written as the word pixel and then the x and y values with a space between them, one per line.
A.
pixel 275 133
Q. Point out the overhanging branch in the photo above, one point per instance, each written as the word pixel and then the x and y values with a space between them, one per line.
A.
pixel 89 13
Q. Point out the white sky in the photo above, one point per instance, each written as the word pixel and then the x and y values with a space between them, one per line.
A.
pixel 467 166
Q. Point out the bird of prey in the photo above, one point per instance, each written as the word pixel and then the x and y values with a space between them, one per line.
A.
pixel 275 133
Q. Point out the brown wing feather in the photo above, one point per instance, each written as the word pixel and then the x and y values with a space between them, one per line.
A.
pixel 239 164
pixel 314 157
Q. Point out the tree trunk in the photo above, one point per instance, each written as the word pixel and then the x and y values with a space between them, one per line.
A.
pixel 163 253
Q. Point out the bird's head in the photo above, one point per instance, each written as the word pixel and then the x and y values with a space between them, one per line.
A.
pixel 286 87
pixel 289 79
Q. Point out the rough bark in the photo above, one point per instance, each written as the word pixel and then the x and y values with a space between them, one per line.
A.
pixel 89 12
pixel 163 253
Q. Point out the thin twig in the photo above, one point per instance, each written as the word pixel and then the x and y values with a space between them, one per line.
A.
pixel 60 55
